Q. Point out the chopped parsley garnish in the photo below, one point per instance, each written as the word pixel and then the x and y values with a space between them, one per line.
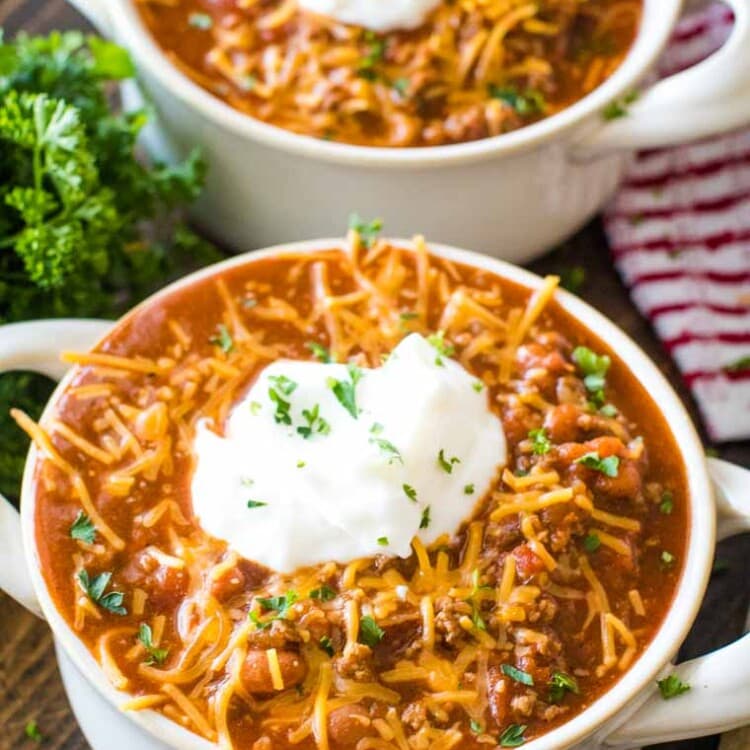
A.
pixel 608 410
pixel 408 316
pixel 619 107
pixel 513 736
pixel 739 365
pixel 95 587
pixel 591 542
pixel 527 103
pixel 667 559
pixel 517 674
pixel 410 492
pixel 443 347
pixel 608 466
pixel 367 230
pixel 594 368
pixel 282 386
pixel 374 54
pixel 376 428
pixel 478 386
pixel 389 449
pixel 155 655
pixel 83 528
pixel 672 686
pixel 666 506
pixel 369 632
pixel 324 593
pixel 255 407
pixel 326 644
pixel 278 604
pixel 560 684
pixel 200 21
pixel 446 464
pixel 31 730
pixel 315 423
pixel 476 727
pixel 573 278
pixel 401 85
pixel 301 464
pixel 223 339
pixel 319 351
pixel 256 504
pixel 540 442
pixel 383 541
pixel 425 520
pixel 468 489
pixel 345 390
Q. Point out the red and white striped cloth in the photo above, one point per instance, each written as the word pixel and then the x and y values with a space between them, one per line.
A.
pixel 679 230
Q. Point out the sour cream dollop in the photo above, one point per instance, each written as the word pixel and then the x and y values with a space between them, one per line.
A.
pixel 327 462
pixel 376 15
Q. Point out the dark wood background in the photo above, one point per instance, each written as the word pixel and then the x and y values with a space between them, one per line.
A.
pixel 30 687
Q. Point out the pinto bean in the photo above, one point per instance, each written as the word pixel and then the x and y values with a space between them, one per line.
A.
pixel 561 423
pixel 256 674
pixel 348 725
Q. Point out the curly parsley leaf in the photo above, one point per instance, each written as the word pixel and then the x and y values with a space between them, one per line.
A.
pixel 672 686
pixel 560 684
pixel 540 441
pixel 95 587
pixel 513 736
pixel 370 633
pixel 154 655
pixel 447 464
pixel 608 466
pixel 346 390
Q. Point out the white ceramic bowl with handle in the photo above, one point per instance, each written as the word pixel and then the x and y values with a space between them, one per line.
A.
pixel 632 713
pixel 512 196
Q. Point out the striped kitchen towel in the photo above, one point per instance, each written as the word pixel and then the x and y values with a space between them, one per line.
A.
pixel 679 230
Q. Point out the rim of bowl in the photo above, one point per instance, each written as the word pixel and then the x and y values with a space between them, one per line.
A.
pixel 657 24
pixel 702 525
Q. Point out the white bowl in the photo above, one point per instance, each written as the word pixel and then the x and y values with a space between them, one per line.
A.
pixel 512 196
pixel 631 713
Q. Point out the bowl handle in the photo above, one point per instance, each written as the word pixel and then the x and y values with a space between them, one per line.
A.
pixel 95 13
pixel 719 695
pixel 709 98
pixel 34 346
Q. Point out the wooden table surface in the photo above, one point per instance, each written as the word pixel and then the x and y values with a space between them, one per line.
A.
pixel 30 687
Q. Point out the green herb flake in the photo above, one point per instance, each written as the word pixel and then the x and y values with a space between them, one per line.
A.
pixel 540 441
pixel 410 492
pixel 401 86
pixel 527 103
pixel 256 504
pixel 666 505
pixel 278 604
pixel 517 674
pixel 368 231
pixel 200 21
pixel 476 727
pixel 223 339
pixel 388 449
pixel 283 384
pixel 608 466
pixel 324 593
pixel 83 528
pixel 672 686
pixel 326 644
pixel 95 587
pixel 370 634
pixel 739 365
pixel 315 423
pixel 255 408
pixel 301 464
pixel 155 656
pixel 425 520
pixel 374 54
pixel 478 386
pixel 345 390
pixel 619 107
pixel 383 541
pixel 513 736
pixel 609 411
pixel 319 351
pixel 468 489
pixel 31 730
pixel 667 559
pixel 560 684
pixel 443 347
pixel 591 543
pixel 573 278
pixel 447 464
pixel 594 368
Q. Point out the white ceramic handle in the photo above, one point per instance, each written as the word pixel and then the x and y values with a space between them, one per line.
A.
pixel 35 346
pixel 95 13
pixel 719 695
pixel 707 99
